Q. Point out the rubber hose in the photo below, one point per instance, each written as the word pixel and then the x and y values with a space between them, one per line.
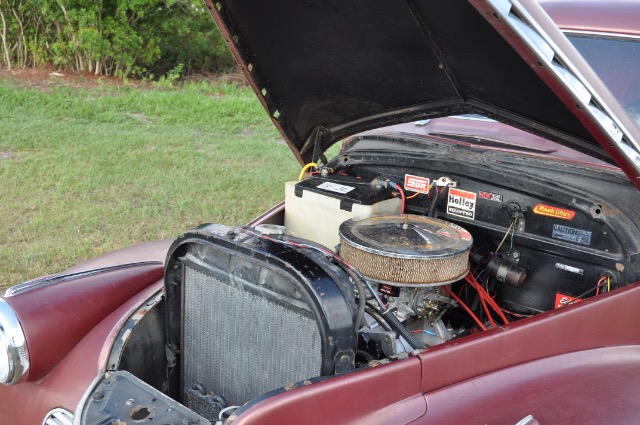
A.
pixel 397 326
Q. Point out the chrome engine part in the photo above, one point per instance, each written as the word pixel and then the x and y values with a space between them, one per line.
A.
pixel 409 258
pixel 406 250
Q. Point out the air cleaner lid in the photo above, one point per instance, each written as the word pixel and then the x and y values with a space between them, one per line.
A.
pixel 406 250
pixel 406 236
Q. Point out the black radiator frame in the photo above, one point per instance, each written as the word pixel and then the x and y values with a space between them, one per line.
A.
pixel 326 288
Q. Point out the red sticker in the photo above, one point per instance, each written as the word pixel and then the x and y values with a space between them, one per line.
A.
pixel 416 183
pixel 554 212
pixel 496 197
pixel 562 300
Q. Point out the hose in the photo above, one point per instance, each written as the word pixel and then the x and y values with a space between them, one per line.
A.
pixel 375 313
pixel 397 326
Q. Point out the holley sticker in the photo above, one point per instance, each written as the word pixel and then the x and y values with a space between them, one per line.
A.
pixel 554 212
pixel 461 203
pixel 416 183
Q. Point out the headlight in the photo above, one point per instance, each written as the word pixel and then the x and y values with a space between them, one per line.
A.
pixel 14 359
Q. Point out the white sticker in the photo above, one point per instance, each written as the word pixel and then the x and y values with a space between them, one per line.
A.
pixel 461 203
pixel 333 187
pixel 569 268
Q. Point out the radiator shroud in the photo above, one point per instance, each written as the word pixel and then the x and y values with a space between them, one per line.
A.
pixel 246 316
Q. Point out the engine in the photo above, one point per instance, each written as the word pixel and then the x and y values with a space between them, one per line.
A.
pixel 346 276
pixel 408 259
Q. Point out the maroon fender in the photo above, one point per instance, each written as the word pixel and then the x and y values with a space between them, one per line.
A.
pixel 148 251
pixel 27 403
pixel 581 326
pixel 76 306
pixel 598 386
pixel 385 394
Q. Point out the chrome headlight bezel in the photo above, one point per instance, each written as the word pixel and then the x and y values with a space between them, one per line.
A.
pixel 14 357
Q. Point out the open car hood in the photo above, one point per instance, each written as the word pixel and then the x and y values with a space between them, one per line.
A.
pixel 327 70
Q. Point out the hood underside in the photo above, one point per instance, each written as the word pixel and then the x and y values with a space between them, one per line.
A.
pixel 326 70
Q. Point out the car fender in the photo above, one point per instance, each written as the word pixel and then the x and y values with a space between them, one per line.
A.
pixel 70 324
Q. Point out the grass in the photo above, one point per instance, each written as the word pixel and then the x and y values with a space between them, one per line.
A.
pixel 87 171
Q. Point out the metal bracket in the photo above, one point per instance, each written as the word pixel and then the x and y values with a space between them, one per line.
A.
pixel 319 138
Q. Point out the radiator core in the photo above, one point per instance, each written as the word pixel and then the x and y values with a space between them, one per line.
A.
pixel 240 344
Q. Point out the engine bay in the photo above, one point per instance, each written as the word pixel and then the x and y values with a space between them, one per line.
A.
pixel 395 246
pixel 538 240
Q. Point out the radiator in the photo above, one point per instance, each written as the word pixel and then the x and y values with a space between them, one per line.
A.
pixel 245 316
pixel 240 344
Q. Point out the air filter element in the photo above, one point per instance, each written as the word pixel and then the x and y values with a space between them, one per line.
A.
pixel 406 250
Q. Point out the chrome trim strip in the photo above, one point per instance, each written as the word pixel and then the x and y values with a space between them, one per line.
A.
pixel 519 20
pixel 13 345
pixel 42 282
pixel 602 34
pixel 58 416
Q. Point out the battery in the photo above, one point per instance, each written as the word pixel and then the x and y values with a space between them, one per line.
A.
pixel 315 207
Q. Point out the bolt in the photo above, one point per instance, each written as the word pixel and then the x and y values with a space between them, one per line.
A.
pixel 98 396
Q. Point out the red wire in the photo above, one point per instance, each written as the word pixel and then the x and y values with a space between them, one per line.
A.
pixel 490 300
pixel 399 189
pixel 600 282
pixel 487 312
pixel 483 294
pixel 463 305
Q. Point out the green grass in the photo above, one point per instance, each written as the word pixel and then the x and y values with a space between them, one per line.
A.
pixel 87 171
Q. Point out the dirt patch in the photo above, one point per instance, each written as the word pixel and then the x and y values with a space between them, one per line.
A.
pixel 5 155
pixel 46 78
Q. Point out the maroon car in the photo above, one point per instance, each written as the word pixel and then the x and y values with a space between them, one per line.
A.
pixel 475 260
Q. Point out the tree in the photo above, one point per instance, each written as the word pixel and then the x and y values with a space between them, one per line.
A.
pixel 111 37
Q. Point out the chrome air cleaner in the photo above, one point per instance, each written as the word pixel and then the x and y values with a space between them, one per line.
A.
pixel 406 250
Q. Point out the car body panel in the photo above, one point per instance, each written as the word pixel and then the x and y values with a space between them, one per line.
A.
pixel 383 394
pixel 499 376
pixel 597 386
pixel 155 251
pixel 613 16
pixel 65 359
pixel 552 366
pixel 489 130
